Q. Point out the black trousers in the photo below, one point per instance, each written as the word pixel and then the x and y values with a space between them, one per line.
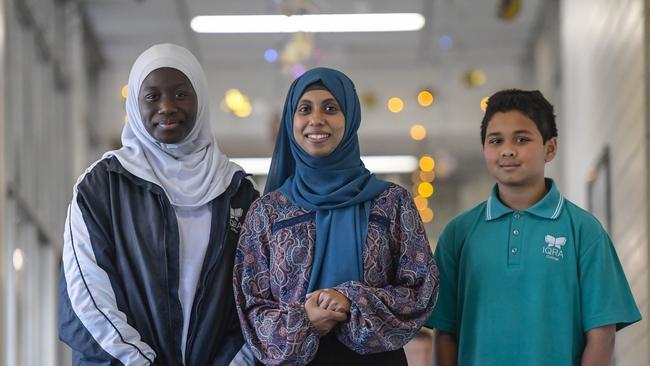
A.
pixel 331 352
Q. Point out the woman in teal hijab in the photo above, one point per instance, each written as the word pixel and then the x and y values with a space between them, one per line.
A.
pixel 333 264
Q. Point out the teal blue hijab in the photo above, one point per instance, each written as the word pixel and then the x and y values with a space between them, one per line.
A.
pixel 338 186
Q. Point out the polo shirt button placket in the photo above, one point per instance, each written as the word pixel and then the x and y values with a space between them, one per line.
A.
pixel 514 257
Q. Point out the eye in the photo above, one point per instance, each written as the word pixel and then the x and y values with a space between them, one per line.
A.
pixel 332 108
pixel 150 97
pixel 181 94
pixel 304 109
pixel 522 139
pixel 495 141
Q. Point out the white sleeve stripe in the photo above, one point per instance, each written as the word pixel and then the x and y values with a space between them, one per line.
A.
pixel 93 299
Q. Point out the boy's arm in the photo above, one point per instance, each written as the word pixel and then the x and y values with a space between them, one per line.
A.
pixel 446 349
pixel 600 346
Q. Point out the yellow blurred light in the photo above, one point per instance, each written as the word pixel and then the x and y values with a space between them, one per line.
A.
pixel 125 91
pixel 426 215
pixel 421 202
pixel 244 110
pixel 126 118
pixel 395 105
pixel 234 99
pixel 418 132
pixel 427 163
pixel 425 189
pixel 484 103
pixel 475 77
pixel 425 98
pixel 427 176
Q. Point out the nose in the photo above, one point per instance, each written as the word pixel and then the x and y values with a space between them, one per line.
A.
pixel 167 105
pixel 316 117
pixel 507 153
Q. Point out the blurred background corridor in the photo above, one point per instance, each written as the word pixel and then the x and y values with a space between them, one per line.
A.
pixel 65 63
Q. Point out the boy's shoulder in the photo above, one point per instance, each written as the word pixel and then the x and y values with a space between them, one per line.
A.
pixel 581 219
pixel 463 223
pixel 468 217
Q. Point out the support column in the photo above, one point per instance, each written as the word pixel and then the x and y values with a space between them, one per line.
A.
pixel 3 188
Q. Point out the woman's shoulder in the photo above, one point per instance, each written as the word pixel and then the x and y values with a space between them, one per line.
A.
pixel 276 204
pixel 393 194
pixel 391 201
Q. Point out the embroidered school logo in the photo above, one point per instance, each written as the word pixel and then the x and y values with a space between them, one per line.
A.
pixel 553 247
pixel 235 219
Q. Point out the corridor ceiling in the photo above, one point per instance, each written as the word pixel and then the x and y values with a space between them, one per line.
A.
pixel 459 36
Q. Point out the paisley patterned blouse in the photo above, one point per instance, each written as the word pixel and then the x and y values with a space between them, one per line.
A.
pixel 273 266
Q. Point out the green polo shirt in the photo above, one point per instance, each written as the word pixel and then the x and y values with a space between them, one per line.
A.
pixel 522 287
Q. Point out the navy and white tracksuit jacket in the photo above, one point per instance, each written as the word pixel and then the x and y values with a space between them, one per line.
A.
pixel 119 302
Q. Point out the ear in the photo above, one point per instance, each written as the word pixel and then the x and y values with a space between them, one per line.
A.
pixel 550 149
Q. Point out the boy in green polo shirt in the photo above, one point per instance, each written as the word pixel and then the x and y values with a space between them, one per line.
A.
pixel 527 277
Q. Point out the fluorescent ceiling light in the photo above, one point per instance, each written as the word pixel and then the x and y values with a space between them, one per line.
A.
pixel 376 164
pixel 378 22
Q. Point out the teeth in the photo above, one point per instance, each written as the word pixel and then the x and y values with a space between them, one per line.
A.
pixel 319 136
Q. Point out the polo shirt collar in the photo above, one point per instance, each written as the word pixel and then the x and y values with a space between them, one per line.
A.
pixel 549 207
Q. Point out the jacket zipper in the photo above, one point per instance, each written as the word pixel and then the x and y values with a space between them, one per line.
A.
pixel 190 339
pixel 165 270
pixel 204 280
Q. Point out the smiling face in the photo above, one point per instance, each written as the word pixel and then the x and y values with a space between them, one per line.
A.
pixel 319 123
pixel 168 105
pixel 514 151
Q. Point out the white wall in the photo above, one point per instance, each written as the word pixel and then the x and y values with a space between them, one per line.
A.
pixel 604 104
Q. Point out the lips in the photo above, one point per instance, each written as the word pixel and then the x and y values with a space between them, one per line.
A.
pixel 168 124
pixel 317 137
pixel 509 166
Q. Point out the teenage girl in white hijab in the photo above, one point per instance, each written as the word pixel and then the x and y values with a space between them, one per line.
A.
pixel 151 231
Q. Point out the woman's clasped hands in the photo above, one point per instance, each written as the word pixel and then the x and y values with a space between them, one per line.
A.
pixel 326 308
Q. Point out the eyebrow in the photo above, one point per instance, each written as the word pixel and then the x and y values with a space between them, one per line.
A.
pixel 183 84
pixel 517 132
pixel 328 100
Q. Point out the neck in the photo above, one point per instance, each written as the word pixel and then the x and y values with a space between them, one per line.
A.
pixel 520 198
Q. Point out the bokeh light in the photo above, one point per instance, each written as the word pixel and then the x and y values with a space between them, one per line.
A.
pixel 484 103
pixel 475 77
pixel 395 105
pixel 445 42
pixel 425 98
pixel 270 55
pixel 125 91
pixel 427 176
pixel 418 132
pixel 426 215
pixel 237 103
pixel 425 189
pixel 427 163
pixel 297 70
pixel 421 202
pixel 18 259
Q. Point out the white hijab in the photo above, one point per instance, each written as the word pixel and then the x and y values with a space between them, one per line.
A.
pixel 192 172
